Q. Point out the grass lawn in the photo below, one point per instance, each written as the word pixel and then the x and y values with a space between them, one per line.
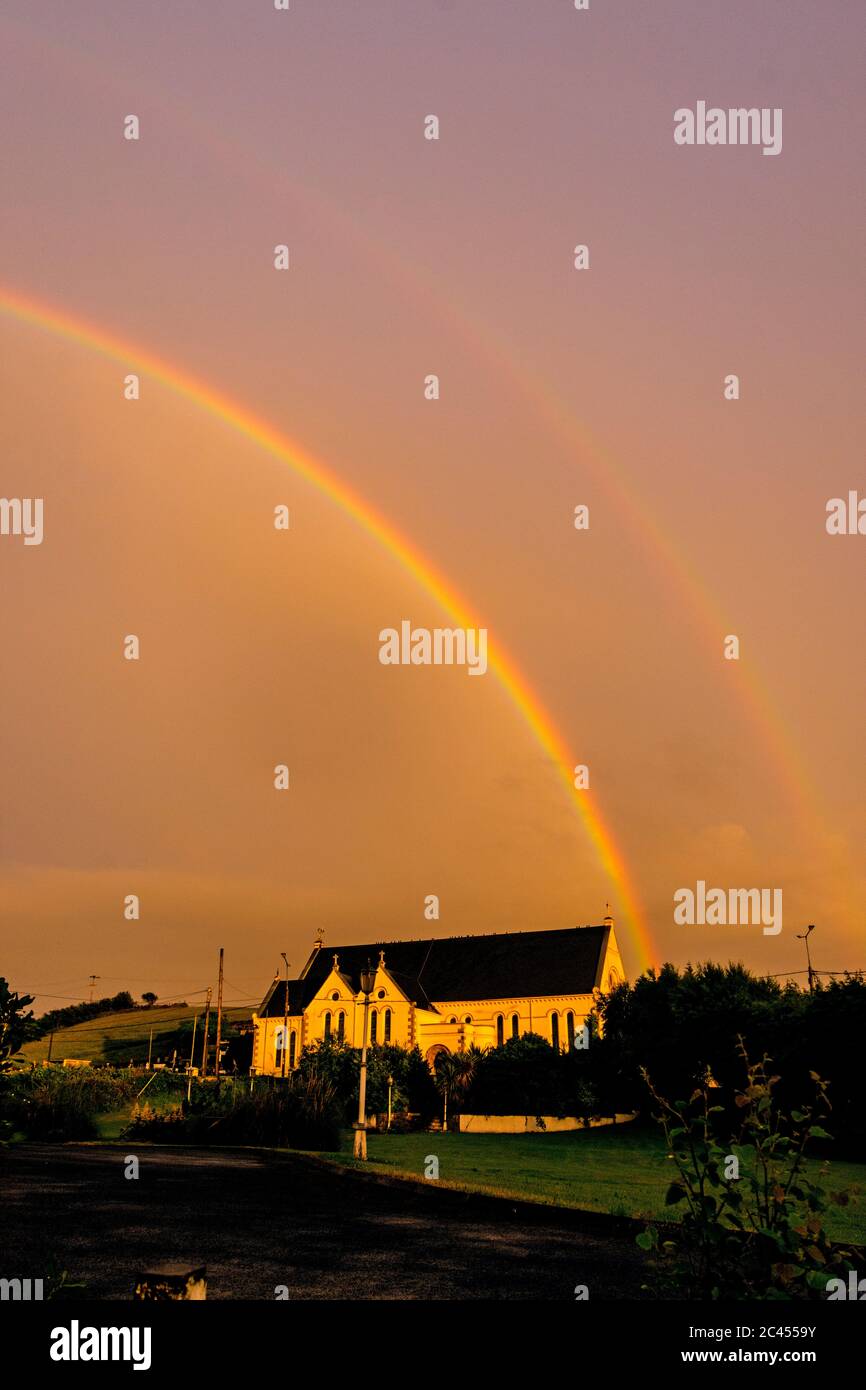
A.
pixel 118 1037
pixel 623 1171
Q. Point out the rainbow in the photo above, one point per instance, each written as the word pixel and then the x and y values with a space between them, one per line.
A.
pixel 319 476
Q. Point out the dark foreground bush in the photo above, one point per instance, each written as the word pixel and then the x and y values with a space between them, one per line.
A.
pixel 753 1204
pixel 302 1115
pixel 52 1104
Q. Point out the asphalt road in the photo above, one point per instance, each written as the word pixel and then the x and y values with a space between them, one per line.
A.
pixel 259 1221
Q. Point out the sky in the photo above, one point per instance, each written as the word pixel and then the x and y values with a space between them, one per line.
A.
pixel 558 387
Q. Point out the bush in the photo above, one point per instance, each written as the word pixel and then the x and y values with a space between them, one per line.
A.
pixel 752 1225
pixel 52 1104
pixel 299 1114
pixel 339 1066
pixel 527 1076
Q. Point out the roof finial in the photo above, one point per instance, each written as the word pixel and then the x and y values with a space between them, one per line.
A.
pixel 381 960
pixel 608 920
pixel 336 961
pixel 320 938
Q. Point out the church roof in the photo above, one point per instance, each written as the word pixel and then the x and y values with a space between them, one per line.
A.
pixel 501 966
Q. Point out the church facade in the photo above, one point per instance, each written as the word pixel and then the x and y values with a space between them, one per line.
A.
pixel 441 994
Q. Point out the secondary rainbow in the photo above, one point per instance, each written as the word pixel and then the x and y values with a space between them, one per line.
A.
pixel 318 475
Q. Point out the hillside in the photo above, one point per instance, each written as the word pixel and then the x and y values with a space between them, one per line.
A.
pixel 121 1037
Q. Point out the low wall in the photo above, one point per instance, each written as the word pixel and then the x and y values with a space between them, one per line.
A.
pixel 529 1124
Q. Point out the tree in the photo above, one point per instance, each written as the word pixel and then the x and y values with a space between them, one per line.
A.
pixel 447 1069
pixel 150 998
pixel 15 1025
pixel 454 1075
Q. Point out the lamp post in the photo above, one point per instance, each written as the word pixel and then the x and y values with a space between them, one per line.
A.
pixel 368 979
pixel 390 1086
pixel 285 1017
pixel 804 936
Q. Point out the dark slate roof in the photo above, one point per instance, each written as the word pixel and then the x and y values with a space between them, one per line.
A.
pixel 507 965
pixel 275 999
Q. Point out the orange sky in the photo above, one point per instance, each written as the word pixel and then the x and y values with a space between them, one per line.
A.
pixel 558 387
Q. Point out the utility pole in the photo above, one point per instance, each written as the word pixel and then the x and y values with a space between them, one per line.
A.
pixel 285 1016
pixel 206 1023
pixel 149 1049
pixel 219 1017
pixel 191 1058
pixel 50 1047
pixel 804 936
pixel 368 978
pixel 93 979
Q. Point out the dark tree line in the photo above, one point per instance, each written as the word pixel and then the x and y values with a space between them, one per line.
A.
pixel 81 1013
pixel 677 1024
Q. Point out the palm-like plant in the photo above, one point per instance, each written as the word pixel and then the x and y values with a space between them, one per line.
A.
pixel 447 1074
pixel 454 1075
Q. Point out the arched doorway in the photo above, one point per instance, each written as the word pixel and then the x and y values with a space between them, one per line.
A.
pixel 433 1052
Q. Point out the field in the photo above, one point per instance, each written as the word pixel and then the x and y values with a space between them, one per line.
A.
pixel 623 1171
pixel 118 1037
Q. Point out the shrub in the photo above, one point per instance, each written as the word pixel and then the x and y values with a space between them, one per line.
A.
pixel 52 1104
pixel 299 1114
pixel 338 1065
pixel 752 1224
pixel 527 1076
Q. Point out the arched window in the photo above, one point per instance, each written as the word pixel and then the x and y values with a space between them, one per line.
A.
pixel 341 1027
pixel 452 1020
pixel 387 1025
pixel 278 1047
pixel 292 1040
pixel 554 1030
pixel 515 1024
pixel 500 1030
pixel 569 1027
pixel 468 1018
pixel 327 1026
pixel 374 1025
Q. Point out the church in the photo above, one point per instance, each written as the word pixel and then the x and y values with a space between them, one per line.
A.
pixel 441 994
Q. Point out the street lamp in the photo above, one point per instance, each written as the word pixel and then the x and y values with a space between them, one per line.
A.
pixel 368 979
pixel 390 1085
pixel 285 1017
pixel 804 936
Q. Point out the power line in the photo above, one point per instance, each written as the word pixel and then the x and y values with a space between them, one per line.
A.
pixel 784 974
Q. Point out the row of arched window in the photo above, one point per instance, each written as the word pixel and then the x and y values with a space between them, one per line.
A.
pixel 380 1019
pixel 375 1016
pixel 500 1028
pixel 554 1028
pixel 341 1026
pixel 293 1043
